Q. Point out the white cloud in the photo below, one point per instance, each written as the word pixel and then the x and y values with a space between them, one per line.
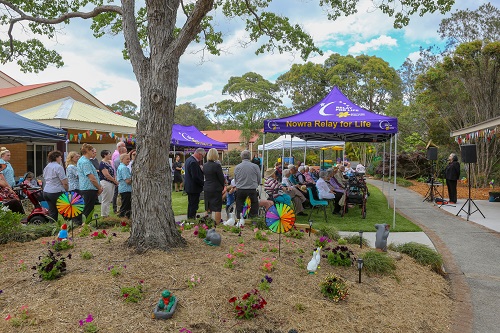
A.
pixel 373 45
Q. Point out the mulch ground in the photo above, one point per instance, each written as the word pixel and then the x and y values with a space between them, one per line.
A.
pixel 415 299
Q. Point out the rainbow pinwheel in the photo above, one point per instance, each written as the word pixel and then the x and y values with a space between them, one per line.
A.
pixel 246 207
pixel 70 204
pixel 280 218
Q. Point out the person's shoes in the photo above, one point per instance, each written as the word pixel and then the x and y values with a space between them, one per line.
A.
pixel 452 202
pixel 301 214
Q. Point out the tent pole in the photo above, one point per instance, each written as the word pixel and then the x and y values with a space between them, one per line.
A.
pixel 305 153
pixel 383 168
pixel 263 151
pixel 291 137
pixel 395 164
pixel 282 155
pixel 390 170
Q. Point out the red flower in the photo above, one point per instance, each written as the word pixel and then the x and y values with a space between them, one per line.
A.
pixel 246 296
pixel 95 234
pixel 104 232
pixel 232 299
pixel 124 224
pixel 125 295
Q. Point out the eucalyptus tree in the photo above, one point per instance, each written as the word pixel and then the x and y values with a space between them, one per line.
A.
pixel 125 108
pixel 188 114
pixel 156 36
pixel 253 99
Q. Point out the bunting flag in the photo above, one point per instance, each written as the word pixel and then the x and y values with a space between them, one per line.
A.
pixel 90 133
pixel 71 137
pixel 486 135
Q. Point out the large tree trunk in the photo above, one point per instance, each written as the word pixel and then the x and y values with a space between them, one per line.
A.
pixel 153 222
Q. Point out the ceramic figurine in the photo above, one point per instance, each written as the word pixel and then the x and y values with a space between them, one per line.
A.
pixel 63 233
pixel 381 236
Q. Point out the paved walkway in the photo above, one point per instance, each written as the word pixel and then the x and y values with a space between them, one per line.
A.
pixel 471 252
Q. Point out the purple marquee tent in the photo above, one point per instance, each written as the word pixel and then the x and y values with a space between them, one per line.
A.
pixel 191 137
pixel 335 118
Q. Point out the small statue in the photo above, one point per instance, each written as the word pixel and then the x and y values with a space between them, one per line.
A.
pixel 381 236
pixel 63 233
pixel 312 266
pixel 213 238
pixel 231 221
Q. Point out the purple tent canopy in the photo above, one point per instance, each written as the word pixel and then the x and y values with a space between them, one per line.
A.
pixel 190 136
pixel 335 118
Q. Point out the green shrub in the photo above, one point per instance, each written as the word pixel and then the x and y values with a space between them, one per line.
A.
pixel 375 262
pixel 354 239
pixel 422 254
pixel 27 233
pixel 9 221
pixel 62 245
pixel 132 294
pixel 329 232
pixel 403 182
pixel 259 222
pixel 108 222
pixel 342 241
pixel 85 231
pixel 86 255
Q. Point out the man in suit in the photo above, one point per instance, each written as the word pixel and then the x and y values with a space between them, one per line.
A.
pixel 194 181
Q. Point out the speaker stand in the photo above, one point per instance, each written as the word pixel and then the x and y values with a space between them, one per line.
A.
pixel 433 191
pixel 468 203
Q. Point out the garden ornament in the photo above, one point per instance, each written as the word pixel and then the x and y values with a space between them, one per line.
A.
pixel 63 233
pixel 231 221
pixel 213 238
pixel 381 236
pixel 312 266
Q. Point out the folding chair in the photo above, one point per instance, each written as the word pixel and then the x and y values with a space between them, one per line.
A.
pixel 316 203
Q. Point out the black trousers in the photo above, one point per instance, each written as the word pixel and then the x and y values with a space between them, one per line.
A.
pixel 452 189
pixel 126 206
pixel 337 207
pixel 193 203
pixel 241 196
pixel 89 198
pixel 51 199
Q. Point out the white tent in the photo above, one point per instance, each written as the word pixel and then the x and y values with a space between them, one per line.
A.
pixel 287 141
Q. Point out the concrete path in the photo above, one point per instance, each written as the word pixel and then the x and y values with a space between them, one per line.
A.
pixel 471 252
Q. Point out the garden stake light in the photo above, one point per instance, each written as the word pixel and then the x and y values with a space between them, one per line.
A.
pixel 310 227
pixel 96 216
pixel 360 266
pixel 361 239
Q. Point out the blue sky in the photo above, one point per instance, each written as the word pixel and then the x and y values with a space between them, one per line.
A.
pixel 97 65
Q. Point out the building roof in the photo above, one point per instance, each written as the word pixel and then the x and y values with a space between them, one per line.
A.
pixel 15 90
pixel 68 113
pixel 227 136
pixel 7 81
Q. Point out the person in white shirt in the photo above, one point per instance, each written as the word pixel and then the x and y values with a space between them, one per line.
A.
pixel 324 191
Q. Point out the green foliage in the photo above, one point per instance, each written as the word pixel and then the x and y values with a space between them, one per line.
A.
pixel 62 245
pixel 247 307
pixel 85 231
pixel 9 222
pixel 342 241
pixel 294 233
pixel 51 266
pixel 188 114
pixel 110 222
pixel 334 287
pixel 340 256
pixel 86 255
pixel 260 222
pixel 354 239
pixel 28 233
pixel 300 263
pixel 422 254
pixel 328 231
pixel 125 108
pixel 260 235
pixel 132 294
pixel 375 262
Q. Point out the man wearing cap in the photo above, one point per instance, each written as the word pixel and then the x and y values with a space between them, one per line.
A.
pixel 194 181
pixel 247 179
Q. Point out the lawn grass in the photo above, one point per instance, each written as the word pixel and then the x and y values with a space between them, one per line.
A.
pixel 376 212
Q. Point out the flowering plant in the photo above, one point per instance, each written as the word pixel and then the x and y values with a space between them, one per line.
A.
pixel 88 325
pixel 193 281
pixel 132 294
pixel 200 232
pixel 51 266
pixel 240 252
pixel 334 287
pixel 265 283
pixel 230 261
pixel 340 256
pixel 248 305
pixel 99 235
pixel 115 271
pixel 260 234
pixel 268 264
pixel 22 266
pixel 124 226
pixel 61 245
pixel 20 318
pixel 322 241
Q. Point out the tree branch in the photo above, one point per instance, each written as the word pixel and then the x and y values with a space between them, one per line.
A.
pixel 25 17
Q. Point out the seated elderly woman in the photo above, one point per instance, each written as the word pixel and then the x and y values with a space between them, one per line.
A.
pixel 339 185
pixel 324 191
pixel 8 197
pixel 297 196
pixel 274 189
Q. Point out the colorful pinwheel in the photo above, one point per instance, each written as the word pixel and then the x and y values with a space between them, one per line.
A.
pixel 70 204
pixel 246 208
pixel 280 218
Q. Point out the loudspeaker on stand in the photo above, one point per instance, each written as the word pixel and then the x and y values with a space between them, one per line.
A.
pixel 469 154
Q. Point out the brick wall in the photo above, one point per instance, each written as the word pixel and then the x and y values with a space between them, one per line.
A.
pixel 17 157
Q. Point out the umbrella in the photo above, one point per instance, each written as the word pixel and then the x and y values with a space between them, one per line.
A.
pixel 280 218
pixel 70 205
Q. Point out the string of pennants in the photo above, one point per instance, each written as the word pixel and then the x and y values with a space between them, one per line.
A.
pixel 487 135
pixel 99 136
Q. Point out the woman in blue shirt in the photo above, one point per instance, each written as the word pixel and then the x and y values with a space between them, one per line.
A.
pixel 8 172
pixel 72 171
pixel 124 178
pixel 88 179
